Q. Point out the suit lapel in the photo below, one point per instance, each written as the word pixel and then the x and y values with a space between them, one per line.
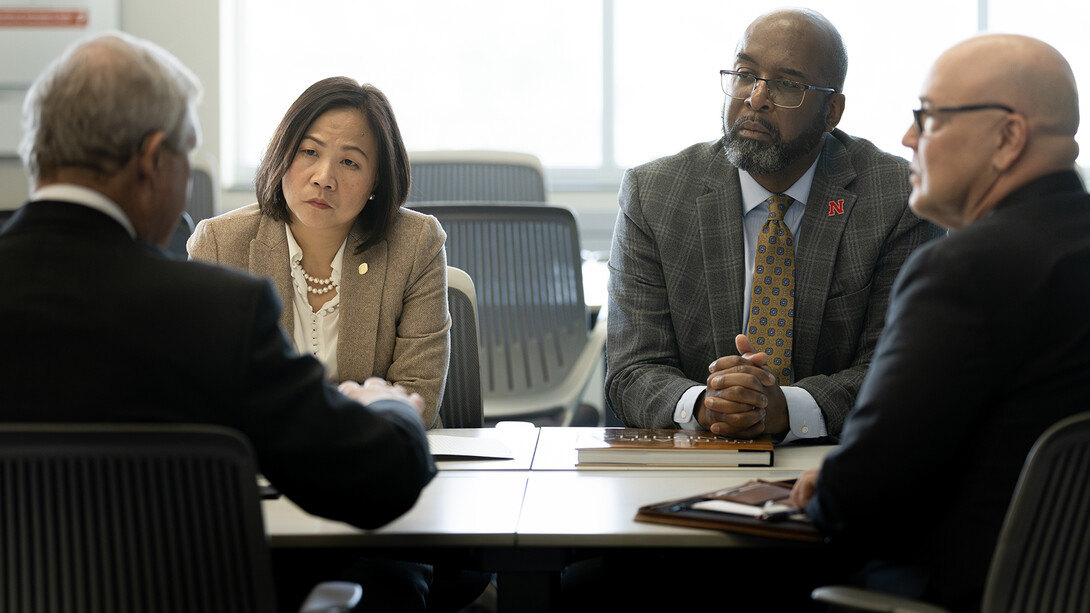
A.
pixel 361 303
pixel 269 258
pixel 719 216
pixel 823 227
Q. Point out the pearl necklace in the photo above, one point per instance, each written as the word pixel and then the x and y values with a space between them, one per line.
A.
pixel 324 285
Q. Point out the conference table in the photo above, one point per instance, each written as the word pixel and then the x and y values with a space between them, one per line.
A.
pixel 529 516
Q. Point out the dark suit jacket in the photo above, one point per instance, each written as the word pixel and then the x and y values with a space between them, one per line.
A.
pixel 98 327
pixel 987 344
pixel 677 275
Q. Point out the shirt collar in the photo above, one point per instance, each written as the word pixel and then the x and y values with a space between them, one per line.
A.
pixel 295 252
pixel 77 194
pixel 753 194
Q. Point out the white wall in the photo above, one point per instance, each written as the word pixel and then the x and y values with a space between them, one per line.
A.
pixel 190 30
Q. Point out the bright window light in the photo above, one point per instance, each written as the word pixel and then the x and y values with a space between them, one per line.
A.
pixel 589 86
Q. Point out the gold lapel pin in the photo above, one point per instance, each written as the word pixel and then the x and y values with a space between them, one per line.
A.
pixel 363 268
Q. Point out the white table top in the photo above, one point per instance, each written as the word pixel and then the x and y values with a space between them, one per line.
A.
pixel 457 508
pixel 597 509
pixel 500 503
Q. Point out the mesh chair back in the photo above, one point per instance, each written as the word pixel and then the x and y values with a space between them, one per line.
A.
pixel 114 518
pixel 476 175
pixel 525 263
pixel 461 406
pixel 1042 560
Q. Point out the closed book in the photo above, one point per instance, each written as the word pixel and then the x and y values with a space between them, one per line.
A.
pixel 757 507
pixel 660 447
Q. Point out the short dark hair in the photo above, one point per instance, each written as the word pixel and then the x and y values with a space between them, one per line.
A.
pixel 392 183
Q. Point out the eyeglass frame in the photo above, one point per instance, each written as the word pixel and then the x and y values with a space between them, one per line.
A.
pixel 748 75
pixel 918 115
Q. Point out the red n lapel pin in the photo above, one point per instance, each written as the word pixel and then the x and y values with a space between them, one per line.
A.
pixel 836 207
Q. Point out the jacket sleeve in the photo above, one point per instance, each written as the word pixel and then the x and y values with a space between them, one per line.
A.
pixel 912 420
pixel 202 243
pixel 422 346
pixel 328 454
pixel 644 378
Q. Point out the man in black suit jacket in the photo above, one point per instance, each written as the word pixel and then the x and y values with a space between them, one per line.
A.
pixel 99 324
pixel 988 337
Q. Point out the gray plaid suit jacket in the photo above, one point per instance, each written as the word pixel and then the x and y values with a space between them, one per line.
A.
pixel 677 277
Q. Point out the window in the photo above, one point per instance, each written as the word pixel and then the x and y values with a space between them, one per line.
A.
pixel 589 86
pixel 497 75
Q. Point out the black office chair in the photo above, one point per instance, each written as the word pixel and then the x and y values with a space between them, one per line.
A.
pixel 182 232
pixel 1042 560
pixel 127 518
pixel 462 406
pixel 203 192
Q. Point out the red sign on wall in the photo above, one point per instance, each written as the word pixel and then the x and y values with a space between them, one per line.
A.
pixel 43 18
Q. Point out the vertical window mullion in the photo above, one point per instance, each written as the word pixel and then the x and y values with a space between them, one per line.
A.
pixel 609 160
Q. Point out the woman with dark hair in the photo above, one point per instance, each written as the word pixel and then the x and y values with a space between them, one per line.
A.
pixel 362 279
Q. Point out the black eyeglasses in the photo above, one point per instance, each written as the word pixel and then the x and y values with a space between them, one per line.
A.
pixel 921 115
pixel 781 92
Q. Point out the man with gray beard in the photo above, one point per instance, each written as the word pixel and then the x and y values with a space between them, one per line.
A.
pixel 683 350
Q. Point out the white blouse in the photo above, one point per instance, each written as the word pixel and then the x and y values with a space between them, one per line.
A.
pixel 315 331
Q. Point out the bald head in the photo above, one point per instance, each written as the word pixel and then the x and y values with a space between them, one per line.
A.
pixel 806 22
pixel 997 111
pixel 1024 73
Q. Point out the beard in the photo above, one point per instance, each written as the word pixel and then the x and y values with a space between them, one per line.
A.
pixel 760 157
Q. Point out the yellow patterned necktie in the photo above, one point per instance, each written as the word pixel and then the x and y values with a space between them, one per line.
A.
pixel 772 308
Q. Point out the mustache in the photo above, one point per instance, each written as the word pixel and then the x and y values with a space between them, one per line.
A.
pixel 773 130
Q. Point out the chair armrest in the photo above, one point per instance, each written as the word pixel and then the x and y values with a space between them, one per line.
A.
pixel 575 383
pixel 332 597
pixel 868 600
pixel 591 353
pixel 566 394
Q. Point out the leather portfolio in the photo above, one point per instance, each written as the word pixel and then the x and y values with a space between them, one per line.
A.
pixel 757 507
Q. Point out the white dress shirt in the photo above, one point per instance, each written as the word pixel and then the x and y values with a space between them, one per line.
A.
pixel 806 420
pixel 315 331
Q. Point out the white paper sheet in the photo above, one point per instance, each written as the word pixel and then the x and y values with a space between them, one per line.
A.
pixel 468 446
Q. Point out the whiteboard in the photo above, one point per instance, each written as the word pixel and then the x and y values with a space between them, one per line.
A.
pixel 32 34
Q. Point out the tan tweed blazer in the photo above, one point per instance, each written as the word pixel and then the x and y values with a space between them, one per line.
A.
pixel 394 322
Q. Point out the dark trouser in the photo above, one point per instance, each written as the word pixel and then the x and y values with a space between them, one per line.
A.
pixel 388 585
